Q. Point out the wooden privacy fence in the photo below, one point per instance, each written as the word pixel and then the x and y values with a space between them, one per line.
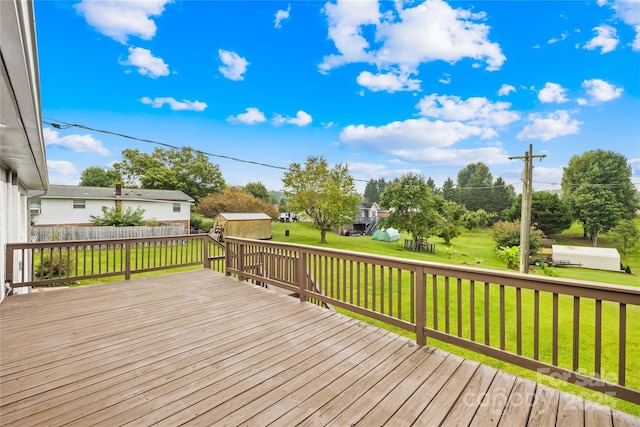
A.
pixel 44 234
pixel 46 263
pixel 581 332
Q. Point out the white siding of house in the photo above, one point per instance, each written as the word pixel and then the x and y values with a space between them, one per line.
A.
pixel 160 210
pixel 61 211
pixel 588 257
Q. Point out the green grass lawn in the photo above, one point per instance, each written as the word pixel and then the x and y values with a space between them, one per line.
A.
pixel 477 249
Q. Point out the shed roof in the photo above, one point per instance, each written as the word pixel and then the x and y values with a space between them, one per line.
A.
pixel 585 250
pixel 244 216
pixel 75 191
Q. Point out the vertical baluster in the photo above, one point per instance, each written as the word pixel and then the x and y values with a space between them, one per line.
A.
pixel 472 308
pixel 459 306
pixel 519 321
pixel 446 304
pixel 622 351
pixel 399 292
pixel 434 286
pixel 576 332
pixel 555 330
pixel 381 289
pixel 598 339
pixel 536 324
pixel 487 325
pixel 502 322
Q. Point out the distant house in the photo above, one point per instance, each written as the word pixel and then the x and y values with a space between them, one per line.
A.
pixel 247 225
pixel 366 221
pixel 66 205
pixel 23 163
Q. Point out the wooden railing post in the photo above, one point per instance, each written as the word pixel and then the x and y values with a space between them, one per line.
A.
pixel 240 260
pixel 127 260
pixel 205 252
pixel 421 306
pixel 301 267
pixel 9 266
pixel 227 258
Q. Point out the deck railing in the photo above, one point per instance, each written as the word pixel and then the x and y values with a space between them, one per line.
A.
pixel 47 263
pixel 581 332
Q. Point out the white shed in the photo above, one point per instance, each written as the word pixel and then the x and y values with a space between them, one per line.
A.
pixel 588 257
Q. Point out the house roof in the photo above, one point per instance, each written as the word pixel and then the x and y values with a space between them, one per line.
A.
pixel 108 193
pixel 244 216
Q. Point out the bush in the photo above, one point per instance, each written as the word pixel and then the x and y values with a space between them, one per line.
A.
pixel 507 234
pixel 628 269
pixel 511 255
pixel 53 267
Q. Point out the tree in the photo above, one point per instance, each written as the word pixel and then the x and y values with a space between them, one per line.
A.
pixel 95 176
pixel 452 217
pixel 548 212
pixel 449 190
pixel 374 189
pixel 234 200
pixel 597 185
pixel 502 196
pixel 258 190
pixel 411 205
pixel 327 196
pixel 474 187
pixel 174 169
pixel 625 236
pixel 119 217
pixel 432 186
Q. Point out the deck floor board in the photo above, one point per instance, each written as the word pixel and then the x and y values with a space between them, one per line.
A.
pixel 201 348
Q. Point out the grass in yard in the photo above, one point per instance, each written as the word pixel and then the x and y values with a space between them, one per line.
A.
pixel 477 249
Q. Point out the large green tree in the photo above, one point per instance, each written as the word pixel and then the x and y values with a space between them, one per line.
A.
pixel 412 206
pixel 598 189
pixel 326 195
pixel 449 190
pixel 175 169
pixel 258 190
pixel 502 196
pixel 625 236
pixel 95 176
pixel 374 189
pixel 475 185
pixel 548 212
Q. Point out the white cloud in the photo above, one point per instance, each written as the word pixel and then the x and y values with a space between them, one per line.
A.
pixel 390 82
pixel 549 126
pixel 75 143
pixel 301 119
pixel 601 91
pixel 233 65
pixel 175 105
pixel 475 110
pixel 545 178
pixel 505 89
pixel 558 39
pixel 62 172
pixel 120 19
pixel 446 79
pixel 378 170
pixel 629 12
pixel 147 64
pixel 251 117
pixel 281 15
pixel 430 31
pixel 553 92
pixel 606 39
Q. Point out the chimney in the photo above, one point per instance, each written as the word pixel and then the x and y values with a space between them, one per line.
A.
pixel 118 194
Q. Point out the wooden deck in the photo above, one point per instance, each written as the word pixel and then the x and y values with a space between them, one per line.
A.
pixel 199 348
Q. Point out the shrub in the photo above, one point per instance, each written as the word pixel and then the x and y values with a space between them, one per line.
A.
pixel 54 267
pixel 628 269
pixel 507 234
pixel 511 255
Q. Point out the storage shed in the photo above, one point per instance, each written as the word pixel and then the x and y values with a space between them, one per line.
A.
pixel 247 225
pixel 588 257
pixel 387 235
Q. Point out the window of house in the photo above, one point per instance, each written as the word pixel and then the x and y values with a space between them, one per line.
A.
pixel 176 207
pixel 78 204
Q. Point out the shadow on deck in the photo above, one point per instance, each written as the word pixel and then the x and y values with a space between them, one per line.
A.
pixel 204 349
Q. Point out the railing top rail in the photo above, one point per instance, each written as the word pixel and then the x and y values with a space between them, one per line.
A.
pixel 55 243
pixel 465 272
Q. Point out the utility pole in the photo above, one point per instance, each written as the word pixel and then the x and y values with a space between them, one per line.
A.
pixel 525 215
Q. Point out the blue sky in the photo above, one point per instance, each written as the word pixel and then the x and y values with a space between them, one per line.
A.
pixel 386 87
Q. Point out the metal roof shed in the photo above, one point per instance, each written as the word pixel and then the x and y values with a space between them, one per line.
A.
pixel 588 257
pixel 387 235
pixel 247 225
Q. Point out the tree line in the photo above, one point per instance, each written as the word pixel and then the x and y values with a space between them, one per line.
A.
pixel 596 190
